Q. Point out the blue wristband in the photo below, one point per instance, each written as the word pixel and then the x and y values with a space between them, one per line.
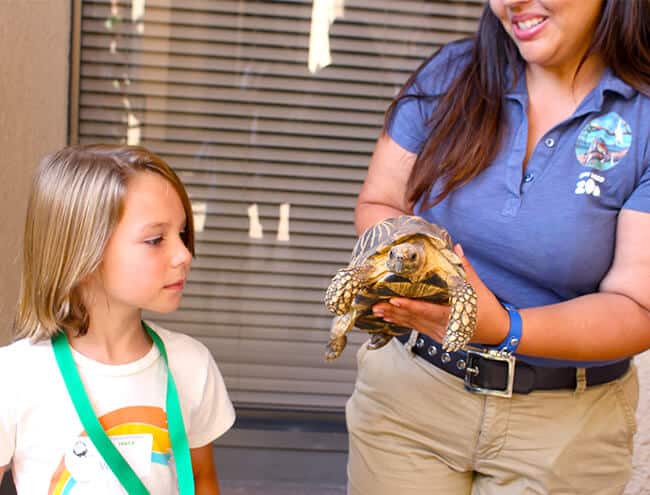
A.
pixel 511 342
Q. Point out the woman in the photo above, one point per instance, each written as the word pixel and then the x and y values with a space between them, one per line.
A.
pixel 529 144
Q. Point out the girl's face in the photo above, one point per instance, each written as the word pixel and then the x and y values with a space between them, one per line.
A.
pixel 146 263
pixel 552 34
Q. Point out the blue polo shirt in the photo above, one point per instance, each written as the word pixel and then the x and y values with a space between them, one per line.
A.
pixel 545 234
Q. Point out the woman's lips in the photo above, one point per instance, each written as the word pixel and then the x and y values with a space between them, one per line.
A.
pixel 527 27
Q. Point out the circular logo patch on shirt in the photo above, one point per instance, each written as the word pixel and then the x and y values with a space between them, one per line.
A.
pixel 604 142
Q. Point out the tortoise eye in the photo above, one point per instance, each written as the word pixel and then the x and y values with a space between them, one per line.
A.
pixel 391 255
pixel 413 256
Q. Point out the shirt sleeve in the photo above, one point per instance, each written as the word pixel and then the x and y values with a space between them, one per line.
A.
pixel 215 414
pixel 409 124
pixel 7 412
pixel 640 198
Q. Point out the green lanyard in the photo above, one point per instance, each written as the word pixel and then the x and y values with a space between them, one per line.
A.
pixel 121 469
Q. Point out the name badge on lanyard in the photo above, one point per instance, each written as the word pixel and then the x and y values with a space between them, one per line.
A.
pixel 123 455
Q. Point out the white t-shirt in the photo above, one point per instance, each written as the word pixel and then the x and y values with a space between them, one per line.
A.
pixel 43 439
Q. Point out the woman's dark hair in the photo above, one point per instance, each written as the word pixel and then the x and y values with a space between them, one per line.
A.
pixel 466 125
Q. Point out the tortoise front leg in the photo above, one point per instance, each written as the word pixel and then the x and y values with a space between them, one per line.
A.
pixel 345 285
pixel 341 325
pixel 462 318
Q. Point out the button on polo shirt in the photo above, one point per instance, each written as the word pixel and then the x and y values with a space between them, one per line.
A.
pixel 544 233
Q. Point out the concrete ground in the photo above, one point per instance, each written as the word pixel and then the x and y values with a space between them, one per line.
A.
pixel 277 488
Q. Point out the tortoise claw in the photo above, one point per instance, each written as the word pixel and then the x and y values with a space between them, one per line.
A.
pixel 335 348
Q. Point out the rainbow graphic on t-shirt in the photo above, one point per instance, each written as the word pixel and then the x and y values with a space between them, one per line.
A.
pixel 136 420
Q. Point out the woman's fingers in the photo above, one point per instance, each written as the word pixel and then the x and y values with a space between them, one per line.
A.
pixel 432 319
pixel 424 317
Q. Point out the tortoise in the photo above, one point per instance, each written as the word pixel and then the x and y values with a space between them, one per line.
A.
pixel 404 256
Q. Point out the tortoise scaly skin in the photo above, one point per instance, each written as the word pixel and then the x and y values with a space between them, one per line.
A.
pixel 400 257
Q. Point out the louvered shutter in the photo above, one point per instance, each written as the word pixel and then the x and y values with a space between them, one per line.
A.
pixel 221 89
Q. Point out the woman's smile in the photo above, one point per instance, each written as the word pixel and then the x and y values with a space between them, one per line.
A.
pixel 527 26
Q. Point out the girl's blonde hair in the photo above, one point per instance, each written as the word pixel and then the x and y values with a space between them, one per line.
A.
pixel 76 200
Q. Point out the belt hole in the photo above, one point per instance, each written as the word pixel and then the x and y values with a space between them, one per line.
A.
pixel 581 380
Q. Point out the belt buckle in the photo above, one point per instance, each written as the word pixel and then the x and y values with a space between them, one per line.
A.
pixel 472 370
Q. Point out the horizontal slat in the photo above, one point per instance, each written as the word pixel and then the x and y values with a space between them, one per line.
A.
pixel 198 40
pixel 252 125
pixel 297 229
pixel 277 253
pixel 224 150
pixel 254 139
pixel 297 240
pixel 182 315
pixel 183 106
pixel 252 293
pixel 283 400
pixel 308 369
pixel 186 166
pixel 317 336
pixel 440 7
pixel 253 265
pixel 250 196
pixel 291 384
pixel 157 88
pixel 274 16
pixel 286 356
pixel 270 183
pixel 249 305
pixel 270 212
pixel 263 70
pixel 261 279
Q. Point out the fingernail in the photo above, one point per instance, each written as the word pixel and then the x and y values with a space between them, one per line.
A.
pixel 460 250
pixel 395 303
pixel 378 312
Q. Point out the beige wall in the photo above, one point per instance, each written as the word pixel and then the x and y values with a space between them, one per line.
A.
pixel 34 50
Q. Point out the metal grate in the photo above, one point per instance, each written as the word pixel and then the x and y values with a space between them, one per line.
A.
pixel 222 90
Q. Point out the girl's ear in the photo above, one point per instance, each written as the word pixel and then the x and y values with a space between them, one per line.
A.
pixel 90 279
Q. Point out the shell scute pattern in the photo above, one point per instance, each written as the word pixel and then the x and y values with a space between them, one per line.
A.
pixel 404 256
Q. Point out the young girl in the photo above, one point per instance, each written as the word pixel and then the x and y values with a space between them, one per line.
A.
pixel 93 399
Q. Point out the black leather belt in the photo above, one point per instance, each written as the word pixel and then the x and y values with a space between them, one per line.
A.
pixel 488 373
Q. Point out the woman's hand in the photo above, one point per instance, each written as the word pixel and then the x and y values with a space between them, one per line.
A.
pixel 431 319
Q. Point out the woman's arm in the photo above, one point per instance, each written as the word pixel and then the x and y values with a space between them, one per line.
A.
pixel 383 194
pixel 612 323
pixel 205 473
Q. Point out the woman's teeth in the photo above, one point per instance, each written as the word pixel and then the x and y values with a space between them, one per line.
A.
pixel 523 25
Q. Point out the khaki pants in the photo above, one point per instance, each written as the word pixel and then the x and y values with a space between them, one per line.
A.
pixel 415 430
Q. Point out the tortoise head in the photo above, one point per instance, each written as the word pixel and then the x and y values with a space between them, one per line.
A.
pixel 406 257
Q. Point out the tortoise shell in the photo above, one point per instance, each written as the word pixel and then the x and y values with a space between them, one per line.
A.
pixel 404 256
